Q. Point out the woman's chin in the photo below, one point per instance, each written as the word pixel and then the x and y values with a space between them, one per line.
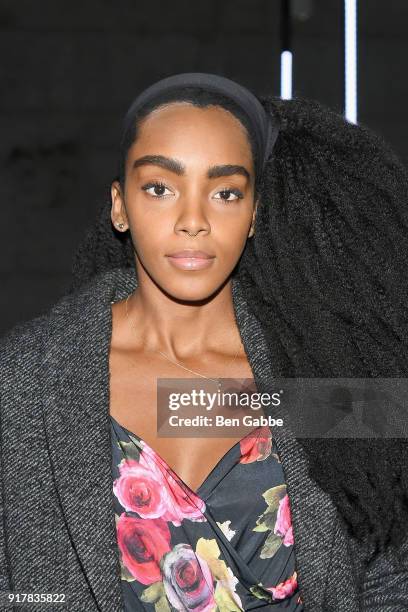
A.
pixel 192 287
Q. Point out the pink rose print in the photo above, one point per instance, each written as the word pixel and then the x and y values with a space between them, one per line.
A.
pixel 149 488
pixel 187 580
pixel 142 543
pixel 181 501
pixel 283 525
pixel 284 589
pixel 256 446
pixel 139 490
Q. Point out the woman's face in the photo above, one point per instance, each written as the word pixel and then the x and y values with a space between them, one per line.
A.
pixel 190 171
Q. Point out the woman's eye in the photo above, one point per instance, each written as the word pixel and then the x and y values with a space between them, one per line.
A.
pixel 158 189
pixel 226 193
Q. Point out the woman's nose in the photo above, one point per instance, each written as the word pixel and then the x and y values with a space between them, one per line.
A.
pixel 192 219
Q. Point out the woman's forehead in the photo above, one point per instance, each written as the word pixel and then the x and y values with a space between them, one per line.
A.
pixel 185 112
pixel 183 126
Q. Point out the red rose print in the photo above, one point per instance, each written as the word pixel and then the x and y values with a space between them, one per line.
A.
pixel 256 446
pixel 284 589
pixel 142 543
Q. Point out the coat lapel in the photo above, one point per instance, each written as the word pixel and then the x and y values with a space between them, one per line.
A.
pixel 76 404
pixel 314 517
pixel 78 429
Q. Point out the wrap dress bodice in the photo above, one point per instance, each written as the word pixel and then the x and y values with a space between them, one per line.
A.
pixel 226 547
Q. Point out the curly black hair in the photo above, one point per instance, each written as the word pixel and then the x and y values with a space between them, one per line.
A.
pixel 325 273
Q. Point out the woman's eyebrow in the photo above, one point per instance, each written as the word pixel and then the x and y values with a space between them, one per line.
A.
pixel 173 165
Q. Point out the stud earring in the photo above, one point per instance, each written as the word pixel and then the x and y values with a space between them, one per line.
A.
pixel 120 225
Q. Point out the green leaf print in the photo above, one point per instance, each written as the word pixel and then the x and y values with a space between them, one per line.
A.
pixel 272 543
pixel 156 594
pixel 261 527
pixel 225 600
pixel 274 495
pixel 260 593
pixel 130 450
pixel 267 520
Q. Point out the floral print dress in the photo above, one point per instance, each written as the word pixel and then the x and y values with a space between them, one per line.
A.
pixel 226 547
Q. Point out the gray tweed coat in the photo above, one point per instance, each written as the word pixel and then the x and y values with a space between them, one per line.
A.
pixel 57 528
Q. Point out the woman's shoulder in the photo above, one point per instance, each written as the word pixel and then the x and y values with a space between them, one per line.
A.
pixel 25 334
pixel 22 338
pixel 20 356
pixel 21 343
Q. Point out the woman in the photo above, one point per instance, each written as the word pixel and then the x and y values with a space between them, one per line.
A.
pixel 302 222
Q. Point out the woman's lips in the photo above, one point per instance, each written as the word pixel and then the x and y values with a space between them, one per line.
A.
pixel 191 263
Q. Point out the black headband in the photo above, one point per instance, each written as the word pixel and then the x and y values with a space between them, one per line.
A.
pixel 264 126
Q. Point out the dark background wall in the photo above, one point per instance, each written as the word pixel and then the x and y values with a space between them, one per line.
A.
pixel 69 70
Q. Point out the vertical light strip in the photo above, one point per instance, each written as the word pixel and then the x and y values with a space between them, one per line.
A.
pixel 350 60
pixel 286 75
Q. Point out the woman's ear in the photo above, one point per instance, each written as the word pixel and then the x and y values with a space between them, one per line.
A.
pixel 118 211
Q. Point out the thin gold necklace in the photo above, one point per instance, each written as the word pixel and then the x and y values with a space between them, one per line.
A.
pixel 176 362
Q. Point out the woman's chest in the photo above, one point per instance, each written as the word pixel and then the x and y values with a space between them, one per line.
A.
pixel 133 404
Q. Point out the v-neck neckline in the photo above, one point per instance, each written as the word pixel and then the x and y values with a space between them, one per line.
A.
pixel 203 487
